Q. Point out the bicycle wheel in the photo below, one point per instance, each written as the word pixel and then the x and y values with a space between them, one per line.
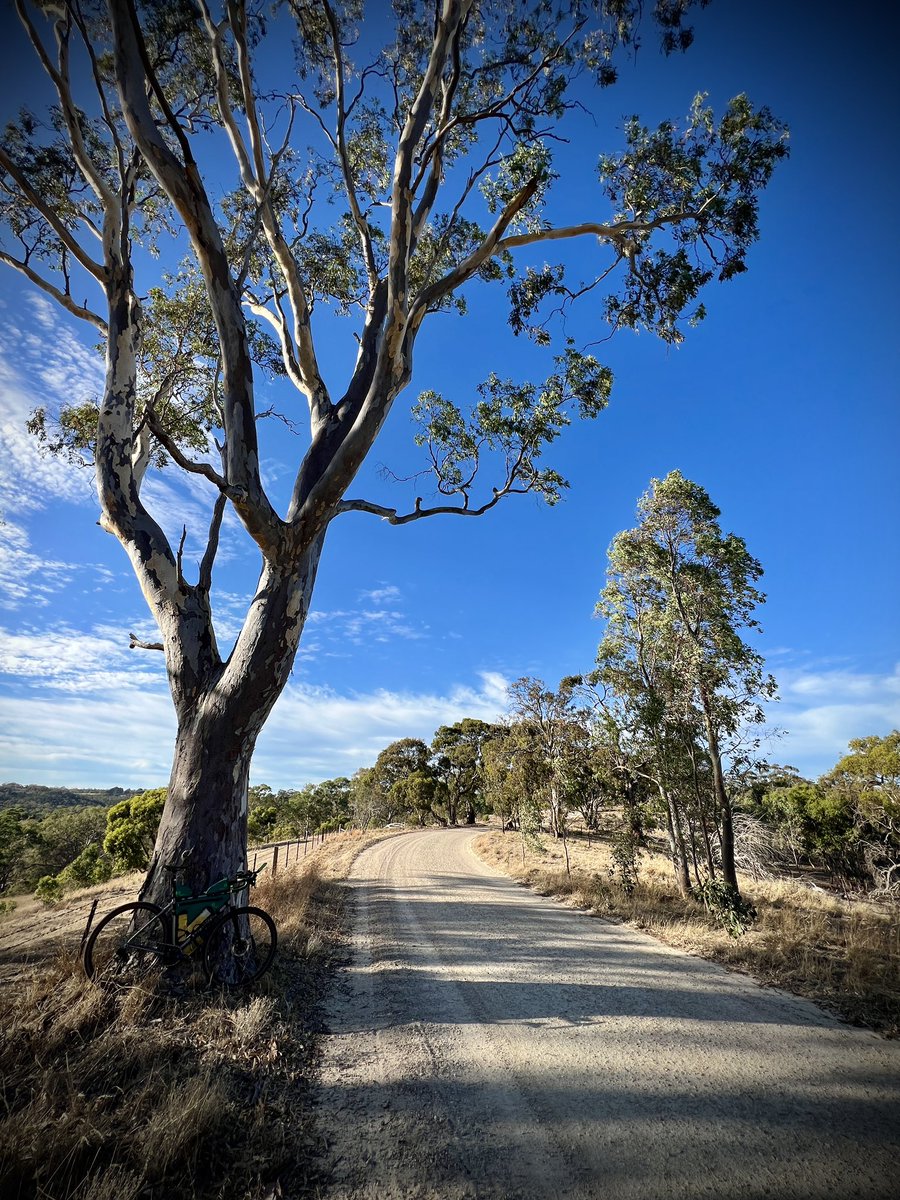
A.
pixel 240 946
pixel 126 945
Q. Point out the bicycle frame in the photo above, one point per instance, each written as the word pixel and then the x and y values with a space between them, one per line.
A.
pixel 208 925
pixel 186 916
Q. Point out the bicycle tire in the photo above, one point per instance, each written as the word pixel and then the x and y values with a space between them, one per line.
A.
pixel 244 952
pixel 126 945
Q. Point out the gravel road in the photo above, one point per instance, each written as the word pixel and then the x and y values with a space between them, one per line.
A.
pixel 485 1042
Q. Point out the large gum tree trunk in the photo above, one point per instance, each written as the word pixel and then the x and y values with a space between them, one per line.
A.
pixel 205 816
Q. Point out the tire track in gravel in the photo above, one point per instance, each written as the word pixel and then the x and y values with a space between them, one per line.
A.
pixel 488 1043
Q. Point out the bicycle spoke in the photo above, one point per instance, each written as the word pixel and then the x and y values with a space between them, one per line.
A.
pixel 126 946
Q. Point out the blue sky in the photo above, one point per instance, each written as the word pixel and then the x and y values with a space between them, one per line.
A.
pixel 782 404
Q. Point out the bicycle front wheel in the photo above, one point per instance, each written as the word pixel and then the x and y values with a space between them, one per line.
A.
pixel 240 946
pixel 125 946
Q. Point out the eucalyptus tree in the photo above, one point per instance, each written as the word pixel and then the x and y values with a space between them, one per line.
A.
pixel 458 762
pixel 375 181
pixel 551 726
pixel 680 593
pixel 637 674
pixel 389 779
pixel 869 777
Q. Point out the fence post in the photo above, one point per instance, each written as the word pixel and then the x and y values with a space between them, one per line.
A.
pixel 274 860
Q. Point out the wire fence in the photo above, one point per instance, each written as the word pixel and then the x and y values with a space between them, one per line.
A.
pixel 277 856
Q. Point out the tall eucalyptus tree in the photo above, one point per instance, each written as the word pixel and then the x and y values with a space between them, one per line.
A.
pixel 679 596
pixel 430 169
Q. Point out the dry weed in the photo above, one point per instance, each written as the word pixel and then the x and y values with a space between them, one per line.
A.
pixel 113 1183
pixel 249 1022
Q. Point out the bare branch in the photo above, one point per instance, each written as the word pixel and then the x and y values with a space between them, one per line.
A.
pixel 394 518
pixel 204 583
pixel 177 454
pixel 135 643
pixel 179 558
pixel 215 32
pixel 61 297
pixel 279 324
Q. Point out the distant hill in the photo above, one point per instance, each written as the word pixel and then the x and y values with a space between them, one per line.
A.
pixel 38 799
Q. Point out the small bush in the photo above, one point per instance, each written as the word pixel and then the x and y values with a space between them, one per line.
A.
pixel 728 906
pixel 49 889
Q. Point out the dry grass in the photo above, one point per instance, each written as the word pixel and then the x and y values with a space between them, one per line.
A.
pixel 843 954
pixel 152 1094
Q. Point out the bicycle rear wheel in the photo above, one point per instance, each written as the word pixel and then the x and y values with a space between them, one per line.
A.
pixel 126 945
pixel 240 946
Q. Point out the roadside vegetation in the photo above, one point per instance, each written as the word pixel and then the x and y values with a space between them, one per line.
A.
pixel 168 1092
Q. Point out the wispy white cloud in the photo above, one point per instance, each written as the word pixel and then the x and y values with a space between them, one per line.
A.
pixel 121 734
pixel 317 733
pixel 823 707
pixel 382 619
pixel 122 739
pixel 64 659
pixel 61 362
pixel 381 594
pixel 29 481
pixel 25 577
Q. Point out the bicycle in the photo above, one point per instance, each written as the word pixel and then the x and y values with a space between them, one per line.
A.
pixel 135 938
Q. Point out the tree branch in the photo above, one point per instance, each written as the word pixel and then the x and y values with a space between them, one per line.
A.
pixel 454 13
pixel 51 217
pixel 204 583
pixel 620 233
pixel 60 79
pixel 135 643
pixel 469 266
pixel 183 185
pixel 62 298
pixel 394 518
pixel 279 324
pixel 187 464
pixel 359 220
pixel 306 377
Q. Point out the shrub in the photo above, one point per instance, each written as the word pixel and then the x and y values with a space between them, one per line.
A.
pixel 728 906
pixel 49 889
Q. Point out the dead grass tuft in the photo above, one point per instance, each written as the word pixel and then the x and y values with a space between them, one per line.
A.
pixel 190 1114
pixel 843 954
pixel 253 1020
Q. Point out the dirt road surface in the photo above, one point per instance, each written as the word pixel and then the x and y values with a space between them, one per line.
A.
pixel 488 1043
